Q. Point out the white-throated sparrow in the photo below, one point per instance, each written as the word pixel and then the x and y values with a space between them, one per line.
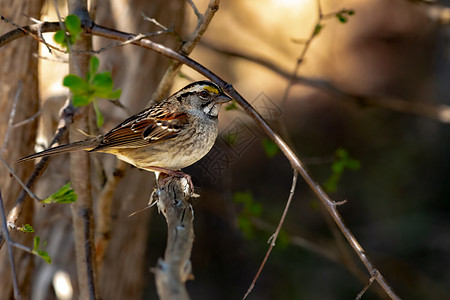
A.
pixel 166 137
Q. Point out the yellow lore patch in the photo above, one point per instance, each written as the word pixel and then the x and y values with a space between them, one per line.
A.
pixel 211 89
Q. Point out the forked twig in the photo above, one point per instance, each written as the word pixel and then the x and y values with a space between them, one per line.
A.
pixel 274 236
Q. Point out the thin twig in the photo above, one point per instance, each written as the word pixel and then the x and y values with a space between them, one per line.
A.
pixel 305 49
pixel 41 36
pixel 10 252
pixel 202 24
pixel 52 58
pixel 12 114
pixel 363 291
pixel 273 238
pixel 28 120
pixel 152 20
pixel 16 177
pixel 195 9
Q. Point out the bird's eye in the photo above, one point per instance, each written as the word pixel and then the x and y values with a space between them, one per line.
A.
pixel 204 94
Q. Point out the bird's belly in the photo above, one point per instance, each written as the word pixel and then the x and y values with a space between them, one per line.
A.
pixel 165 156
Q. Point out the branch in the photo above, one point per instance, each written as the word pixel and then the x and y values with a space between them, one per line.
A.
pixel 17 295
pixel 273 238
pixel 186 49
pixel 172 272
pixel 32 30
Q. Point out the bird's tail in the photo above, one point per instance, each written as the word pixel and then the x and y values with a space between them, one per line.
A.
pixel 77 146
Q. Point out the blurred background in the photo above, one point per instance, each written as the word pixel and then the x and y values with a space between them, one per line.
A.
pixel 367 112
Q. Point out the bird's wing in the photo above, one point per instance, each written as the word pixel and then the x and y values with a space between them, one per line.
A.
pixel 150 126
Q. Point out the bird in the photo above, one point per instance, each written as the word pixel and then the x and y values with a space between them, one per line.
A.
pixel 164 138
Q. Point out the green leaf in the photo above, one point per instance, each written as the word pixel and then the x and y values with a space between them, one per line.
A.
pixel 26 228
pixel 341 18
pixel 102 83
pixel 36 242
pixel 114 95
pixel 64 195
pixel 81 100
pixel 270 147
pixel 353 164
pixel 73 25
pixel 246 227
pixel 342 162
pixel 243 197
pixel 341 153
pixel 331 184
pixel 77 85
pixel 251 208
pixel 283 239
pixel 93 65
pixel 41 253
pixel 98 114
pixel 60 38
pixel 44 255
pixel 350 12
pixel 317 29
pixel 338 166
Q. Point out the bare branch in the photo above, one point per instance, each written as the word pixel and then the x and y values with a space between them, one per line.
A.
pixel 26 121
pixel 10 253
pixel 273 238
pixel 363 291
pixel 186 49
pixel 152 20
pixel 195 9
pixel 16 177
pixel 11 116
pixel 172 272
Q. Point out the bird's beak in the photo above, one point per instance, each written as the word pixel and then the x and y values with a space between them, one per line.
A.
pixel 223 98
